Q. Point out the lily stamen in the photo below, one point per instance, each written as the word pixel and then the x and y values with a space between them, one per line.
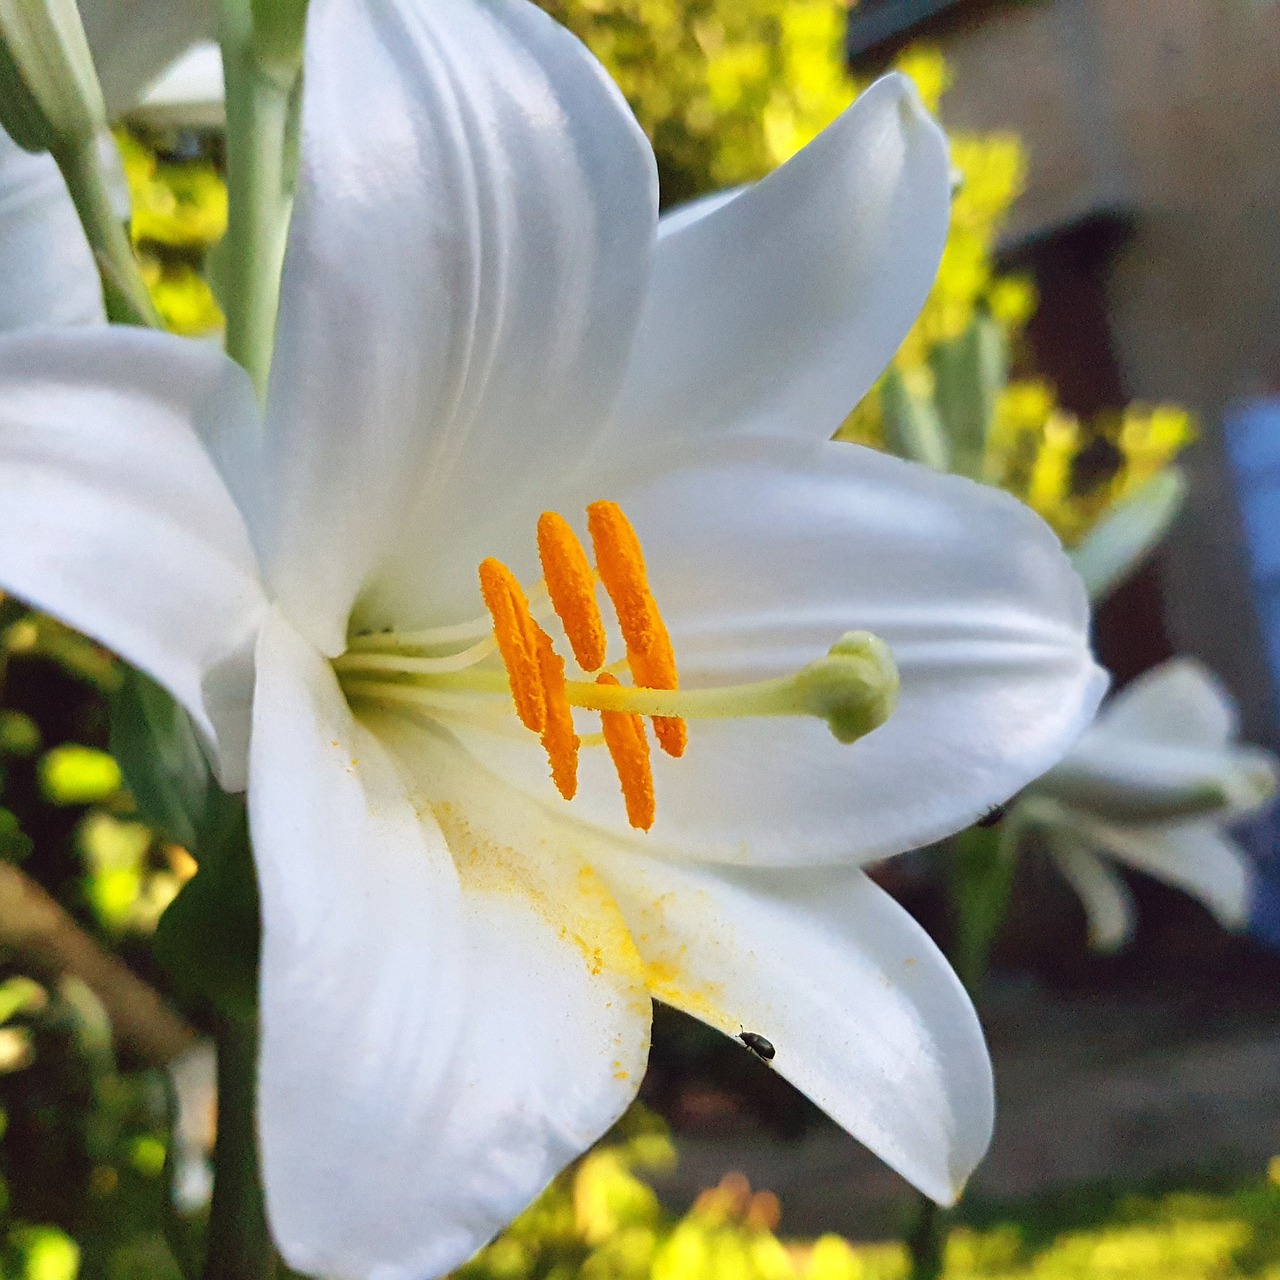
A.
pixel 517 636
pixel 650 655
pixel 629 750
pixel 853 687
pixel 571 583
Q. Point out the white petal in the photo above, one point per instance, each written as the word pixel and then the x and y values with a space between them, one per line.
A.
pixel 866 1016
pixel 46 269
pixel 133 41
pixel 467 260
pixel 115 518
pixel 781 308
pixel 1180 702
pixel 189 95
pixel 1163 747
pixel 762 553
pixel 1135 780
pixel 1193 856
pixel 1107 902
pixel 442 1030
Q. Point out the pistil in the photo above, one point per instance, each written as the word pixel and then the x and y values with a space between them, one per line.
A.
pixel 853 687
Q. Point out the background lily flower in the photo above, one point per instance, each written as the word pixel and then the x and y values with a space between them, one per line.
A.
pixel 481 320
pixel 47 273
pixel 1154 784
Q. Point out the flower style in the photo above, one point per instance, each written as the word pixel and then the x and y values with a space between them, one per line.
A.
pixel 481 323
pixel 1154 784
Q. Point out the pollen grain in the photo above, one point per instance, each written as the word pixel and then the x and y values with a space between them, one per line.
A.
pixel 650 654
pixel 629 748
pixel 517 635
pixel 572 588
pixel 559 739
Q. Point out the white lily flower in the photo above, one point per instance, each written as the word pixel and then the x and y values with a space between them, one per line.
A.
pixel 481 321
pixel 1154 784
pixel 47 273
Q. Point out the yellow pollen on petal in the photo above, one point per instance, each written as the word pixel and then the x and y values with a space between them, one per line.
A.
pixel 516 634
pixel 572 588
pixel 650 655
pixel 559 738
pixel 629 748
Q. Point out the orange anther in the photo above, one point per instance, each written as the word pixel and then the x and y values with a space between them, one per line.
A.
pixel 559 739
pixel 629 748
pixel 650 655
pixel 572 587
pixel 516 633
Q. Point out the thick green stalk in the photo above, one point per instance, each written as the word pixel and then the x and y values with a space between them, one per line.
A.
pixel 260 103
pixel 240 1245
pixel 926 1240
pixel 126 296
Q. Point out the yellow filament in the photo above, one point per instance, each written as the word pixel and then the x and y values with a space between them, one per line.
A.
pixel 559 738
pixel 629 749
pixel 650 655
pixel 572 587
pixel 517 635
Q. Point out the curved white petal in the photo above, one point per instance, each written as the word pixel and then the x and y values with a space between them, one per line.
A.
pixel 762 553
pixel 1107 902
pixel 115 519
pixel 1193 856
pixel 47 274
pixel 441 1030
pixel 779 309
pixel 1180 702
pixel 133 41
pixel 1135 780
pixel 1162 748
pixel 866 1016
pixel 467 260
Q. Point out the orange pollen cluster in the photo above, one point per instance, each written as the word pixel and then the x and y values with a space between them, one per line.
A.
pixel 537 673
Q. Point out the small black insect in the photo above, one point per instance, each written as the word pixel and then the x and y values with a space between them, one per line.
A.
pixel 993 816
pixel 762 1048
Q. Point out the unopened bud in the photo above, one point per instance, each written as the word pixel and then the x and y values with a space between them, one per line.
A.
pixel 49 91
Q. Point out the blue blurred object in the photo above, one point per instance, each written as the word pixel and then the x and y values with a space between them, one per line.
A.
pixel 1251 433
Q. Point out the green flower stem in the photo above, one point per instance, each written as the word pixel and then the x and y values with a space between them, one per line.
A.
pixel 126 297
pixel 260 107
pixel 240 1245
pixel 927 1238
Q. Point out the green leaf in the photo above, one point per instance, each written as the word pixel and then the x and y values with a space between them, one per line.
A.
pixel 208 938
pixel 912 429
pixel 969 373
pixel 980 866
pixel 161 758
pixel 1115 547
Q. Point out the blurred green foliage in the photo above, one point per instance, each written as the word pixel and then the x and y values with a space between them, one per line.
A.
pixel 601 1220
pixel 725 89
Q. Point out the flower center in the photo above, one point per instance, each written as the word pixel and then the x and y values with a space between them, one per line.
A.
pixel 451 672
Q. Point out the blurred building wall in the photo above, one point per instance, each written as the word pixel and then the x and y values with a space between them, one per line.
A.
pixel 1154 135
